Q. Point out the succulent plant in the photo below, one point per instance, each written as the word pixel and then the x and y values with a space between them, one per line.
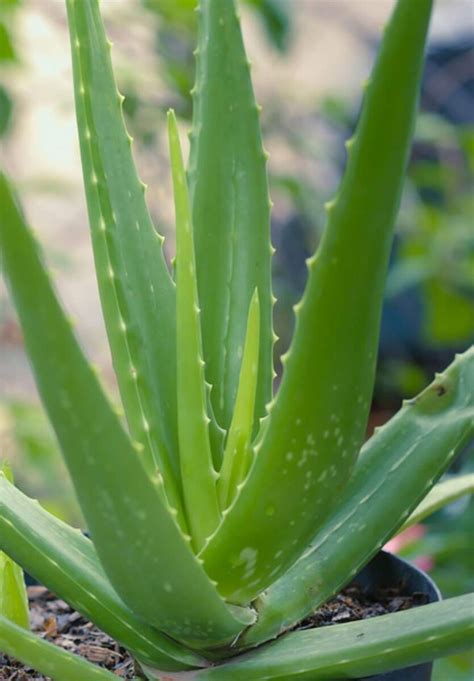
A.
pixel 220 514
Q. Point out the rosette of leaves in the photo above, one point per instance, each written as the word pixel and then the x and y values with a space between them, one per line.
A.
pixel 220 514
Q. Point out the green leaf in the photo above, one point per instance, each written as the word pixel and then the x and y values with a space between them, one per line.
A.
pixel 237 455
pixel 197 472
pixel 316 425
pixel 358 649
pixel 46 658
pixel 124 508
pixel 65 561
pixel 13 596
pixel 231 214
pixel 442 494
pixel 7 50
pixel 275 16
pixel 6 110
pixel 396 469
pixel 137 293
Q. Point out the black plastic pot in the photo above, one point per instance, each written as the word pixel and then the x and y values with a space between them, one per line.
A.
pixel 387 570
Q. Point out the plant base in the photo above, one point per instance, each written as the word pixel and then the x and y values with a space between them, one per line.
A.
pixel 387 584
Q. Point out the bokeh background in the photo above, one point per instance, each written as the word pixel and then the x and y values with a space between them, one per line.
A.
pixel 310 61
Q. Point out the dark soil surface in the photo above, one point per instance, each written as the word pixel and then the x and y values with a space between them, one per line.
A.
pixel 353 603
pixel 53 620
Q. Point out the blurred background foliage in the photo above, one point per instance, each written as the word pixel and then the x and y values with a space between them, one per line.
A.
pixel 8 56
pixel 175 40
pixel 429 305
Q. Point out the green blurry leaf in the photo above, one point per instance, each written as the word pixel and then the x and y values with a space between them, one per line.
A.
pixel 6 109
pixel 10 4
pixel 466 138
pixel 436 129
pixel 405 274
pixel 441 495
pixel 7 50
pixel 40 470
pixel 456 668
pixel 180 12
pixel 275 16
pixel 449 315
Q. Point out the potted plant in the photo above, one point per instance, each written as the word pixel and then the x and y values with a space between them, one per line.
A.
pixel 222 515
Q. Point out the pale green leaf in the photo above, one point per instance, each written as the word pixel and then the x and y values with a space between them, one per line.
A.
pixel 197 472
pixel 237 454
pixel 441 495
pixel 13 596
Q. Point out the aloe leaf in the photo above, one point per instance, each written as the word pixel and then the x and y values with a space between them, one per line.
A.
pixel 124 510
pixel 397 468
pixel 197 472
pixel 358 649
pixel 237 452
pixel 231 210
pixel 317 422
pixel 65 561
pixel 442 494
pixel 137 293
pixel 13 596
pixel 46 658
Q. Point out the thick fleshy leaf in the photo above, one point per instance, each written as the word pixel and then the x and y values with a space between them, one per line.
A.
pixel 357 649
pixel 397 468
pixel 197 471
pixel 52 661
pixel 125 509
pixel 137 293
pixel 441 495
pixel 231 213
pixel 317 422
pixel 238 451
pixel 65 561
pixel 13 596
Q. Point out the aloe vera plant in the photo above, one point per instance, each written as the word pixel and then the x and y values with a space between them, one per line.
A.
pixel 221 514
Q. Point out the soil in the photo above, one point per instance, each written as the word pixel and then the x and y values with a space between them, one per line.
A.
pixel 354 603
pixel 53 620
